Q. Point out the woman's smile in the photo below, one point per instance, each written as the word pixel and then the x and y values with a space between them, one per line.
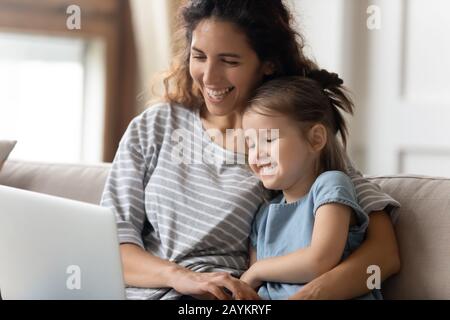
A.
pixel 217 95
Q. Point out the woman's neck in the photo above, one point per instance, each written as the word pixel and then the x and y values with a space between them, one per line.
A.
pixel 221 123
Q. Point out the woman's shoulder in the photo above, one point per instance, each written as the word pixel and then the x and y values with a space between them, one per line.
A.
pixel 165 116
pixel 166 110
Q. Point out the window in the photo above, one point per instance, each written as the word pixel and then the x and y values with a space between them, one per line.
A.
pixel 67 95
pixel 44 101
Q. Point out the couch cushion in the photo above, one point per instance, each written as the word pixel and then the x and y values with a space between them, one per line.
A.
pixel 80 182
pixel 423 233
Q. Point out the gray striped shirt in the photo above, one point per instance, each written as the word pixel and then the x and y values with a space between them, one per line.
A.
pixel 196 211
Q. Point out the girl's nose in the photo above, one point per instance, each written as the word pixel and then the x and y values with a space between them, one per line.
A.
pixel 263 157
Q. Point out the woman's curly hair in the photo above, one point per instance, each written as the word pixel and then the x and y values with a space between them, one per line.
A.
pixel 269 30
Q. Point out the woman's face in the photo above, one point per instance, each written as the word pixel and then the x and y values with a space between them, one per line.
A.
pixel 224 66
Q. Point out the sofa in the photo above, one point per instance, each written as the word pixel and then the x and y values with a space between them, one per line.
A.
pixel 422 225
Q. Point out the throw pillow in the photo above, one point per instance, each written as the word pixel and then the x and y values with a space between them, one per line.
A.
pixel 6 147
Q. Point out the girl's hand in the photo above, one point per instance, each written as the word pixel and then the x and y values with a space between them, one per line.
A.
pixel 250 277
pixel 211 285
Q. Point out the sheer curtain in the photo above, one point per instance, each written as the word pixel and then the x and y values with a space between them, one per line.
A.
pixel 153 23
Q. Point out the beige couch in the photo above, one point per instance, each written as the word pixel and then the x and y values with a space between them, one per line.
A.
pixel 422 227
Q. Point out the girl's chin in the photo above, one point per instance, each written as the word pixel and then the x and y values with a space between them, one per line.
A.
pixel 270 183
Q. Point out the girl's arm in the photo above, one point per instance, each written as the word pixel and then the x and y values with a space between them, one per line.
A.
pixel 252 255
pixel 327 245
pixel 247 275
pixel 349 279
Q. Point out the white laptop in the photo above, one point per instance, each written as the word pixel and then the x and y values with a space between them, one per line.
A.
pixel 55 248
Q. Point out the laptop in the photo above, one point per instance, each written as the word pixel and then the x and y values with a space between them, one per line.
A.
pixel 58 249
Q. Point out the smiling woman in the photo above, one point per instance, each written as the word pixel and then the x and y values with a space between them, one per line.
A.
pixel 274 42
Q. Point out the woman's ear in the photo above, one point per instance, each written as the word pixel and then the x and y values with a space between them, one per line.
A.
pixel 317 137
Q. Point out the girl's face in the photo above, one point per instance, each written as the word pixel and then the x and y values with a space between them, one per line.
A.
pixel 223 66
pixel 281 161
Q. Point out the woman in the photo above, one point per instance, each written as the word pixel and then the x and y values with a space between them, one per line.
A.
pixel 184 225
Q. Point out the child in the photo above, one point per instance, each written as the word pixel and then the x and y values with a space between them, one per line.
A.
pixel 291 127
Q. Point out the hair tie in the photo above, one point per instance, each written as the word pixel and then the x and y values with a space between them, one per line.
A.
pixel 326 79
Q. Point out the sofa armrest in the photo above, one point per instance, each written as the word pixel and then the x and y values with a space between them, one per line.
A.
pixel 423 235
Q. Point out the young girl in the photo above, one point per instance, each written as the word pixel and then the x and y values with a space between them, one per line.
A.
pixel 291 126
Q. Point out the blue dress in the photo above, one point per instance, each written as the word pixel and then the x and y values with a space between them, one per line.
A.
pixel 280 228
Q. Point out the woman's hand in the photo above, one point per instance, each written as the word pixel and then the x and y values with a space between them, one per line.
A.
pixel 312 291
pixel 211 285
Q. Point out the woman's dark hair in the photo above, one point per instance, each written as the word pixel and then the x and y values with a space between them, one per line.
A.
pixel 317 98
pixel 267 25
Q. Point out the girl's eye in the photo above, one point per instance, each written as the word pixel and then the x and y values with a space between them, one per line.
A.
pixel 199 57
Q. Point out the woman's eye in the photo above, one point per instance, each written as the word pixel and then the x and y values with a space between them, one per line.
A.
pixel 271 140
pixel 232 63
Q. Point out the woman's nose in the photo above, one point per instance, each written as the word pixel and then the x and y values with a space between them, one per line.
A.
pixel 211 74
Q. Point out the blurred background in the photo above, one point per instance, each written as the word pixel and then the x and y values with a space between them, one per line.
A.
pixel 67 94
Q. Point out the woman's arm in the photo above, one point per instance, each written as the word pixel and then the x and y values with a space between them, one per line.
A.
pixel 328 241
pixel 144 270
pixel 349 279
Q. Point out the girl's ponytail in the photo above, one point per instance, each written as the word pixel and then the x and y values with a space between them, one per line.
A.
pixel 332 86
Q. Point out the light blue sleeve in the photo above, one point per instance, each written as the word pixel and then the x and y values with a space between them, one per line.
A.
pixel 337 187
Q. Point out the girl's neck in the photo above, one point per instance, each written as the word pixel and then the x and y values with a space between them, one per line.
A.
pixel 301 188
